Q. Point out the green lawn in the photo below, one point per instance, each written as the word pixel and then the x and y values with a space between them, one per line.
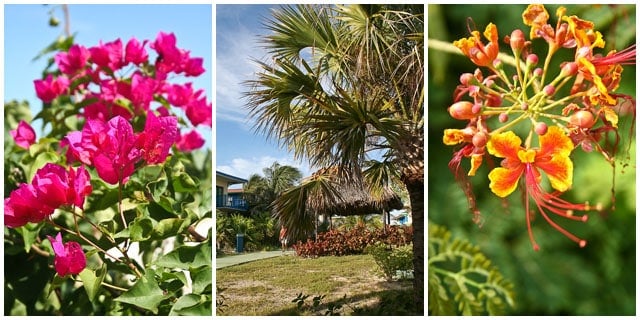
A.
pixel 267 287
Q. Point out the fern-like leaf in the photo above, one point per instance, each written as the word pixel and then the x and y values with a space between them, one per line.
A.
pixel 462 280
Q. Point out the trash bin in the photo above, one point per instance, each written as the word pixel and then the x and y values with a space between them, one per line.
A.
pixel 239 242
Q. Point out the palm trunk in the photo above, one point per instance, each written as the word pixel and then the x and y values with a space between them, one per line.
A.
pixel 415 187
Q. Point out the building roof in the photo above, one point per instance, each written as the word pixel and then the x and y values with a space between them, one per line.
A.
pixel 230 178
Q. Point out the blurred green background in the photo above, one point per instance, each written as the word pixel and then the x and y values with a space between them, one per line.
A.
pixel 560 279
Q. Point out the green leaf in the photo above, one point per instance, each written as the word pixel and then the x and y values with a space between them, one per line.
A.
pixel 201 280
pixel 186 257
pixel 40 161
pixel 145 293
pixel 184 183
pixel 29 234
pixel 140 229
pixel 191 305
pixel 92 280
pixel 167 228
pixel 158 187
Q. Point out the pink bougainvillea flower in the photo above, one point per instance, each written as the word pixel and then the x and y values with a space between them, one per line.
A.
pixel 108 55
pixel 116 156
pixel 69 257
pixel 104 111
pixel 23 135
pixel 552 157
pixel 142 90
pixel 199 111
pixel 192 66
pixel 135 52
pixel 55 186
pixel 23 206
pixel 180 94
pixel 157 138
pixel 80 186
pixel 50 88
pixel 52 185
pixel 169 56
pixel 190 141
pixel 72 61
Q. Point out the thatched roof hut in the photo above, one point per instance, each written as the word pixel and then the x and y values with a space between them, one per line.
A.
pixel 354 197
pixel 330 192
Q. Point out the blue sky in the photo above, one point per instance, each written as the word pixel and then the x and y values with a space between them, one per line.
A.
pixel 239 150
pixel 26 33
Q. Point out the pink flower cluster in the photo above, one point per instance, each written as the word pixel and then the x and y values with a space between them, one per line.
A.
pixel 52 187
pixel 113 148
pixel 84 68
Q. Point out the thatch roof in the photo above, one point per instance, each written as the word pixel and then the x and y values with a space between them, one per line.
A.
pixel 352 196
pixel 329 191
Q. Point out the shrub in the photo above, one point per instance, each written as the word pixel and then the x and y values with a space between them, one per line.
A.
pixel 390 260
pixel 352 241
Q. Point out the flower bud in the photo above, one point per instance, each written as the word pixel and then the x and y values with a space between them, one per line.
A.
pixel 480 139
pixel 503 117
pixel 516 40
pixel 497 63
pixel 549 90
pixel 524 106
pixel 537 72
pixel 466 79
pixel 463 110
pixel 541 128
pixel 569 69
pixel 532 59
pixel 582 119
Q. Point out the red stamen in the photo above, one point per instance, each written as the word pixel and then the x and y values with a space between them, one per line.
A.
pixel 551 202
pixel 624 57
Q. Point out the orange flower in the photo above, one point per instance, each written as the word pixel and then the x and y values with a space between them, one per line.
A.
pixel 552 157
pixel 473 47
pixel 536 17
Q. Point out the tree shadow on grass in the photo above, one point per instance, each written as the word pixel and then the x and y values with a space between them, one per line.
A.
pixel 391 302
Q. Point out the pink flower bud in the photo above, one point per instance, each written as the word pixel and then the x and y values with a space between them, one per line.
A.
pixel 503 117
pixel 569 69
pixel 462 110
pixel 549 90
pixel 516 40
pixel 524 106
pixel 541 128
pixel 466 78
pixel 537 72
pixel 532 59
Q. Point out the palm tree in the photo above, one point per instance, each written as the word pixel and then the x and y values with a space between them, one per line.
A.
pixel 344 86
pixel 262 190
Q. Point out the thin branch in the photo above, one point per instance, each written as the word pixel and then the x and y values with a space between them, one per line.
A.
pixel 450 48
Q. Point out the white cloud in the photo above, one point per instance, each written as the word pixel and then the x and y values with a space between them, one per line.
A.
pixel 234 66
pixel 243 168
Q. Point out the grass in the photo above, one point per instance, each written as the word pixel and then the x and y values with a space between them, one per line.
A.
pixel 268 286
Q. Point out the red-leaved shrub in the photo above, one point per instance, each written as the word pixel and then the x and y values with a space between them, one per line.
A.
pixel 354 241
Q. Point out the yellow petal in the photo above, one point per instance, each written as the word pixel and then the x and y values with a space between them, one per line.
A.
pixel 476 161
pixel 504 181
pixel 559 170
pixel 504 145
pixel 555 141
pixel 452 137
